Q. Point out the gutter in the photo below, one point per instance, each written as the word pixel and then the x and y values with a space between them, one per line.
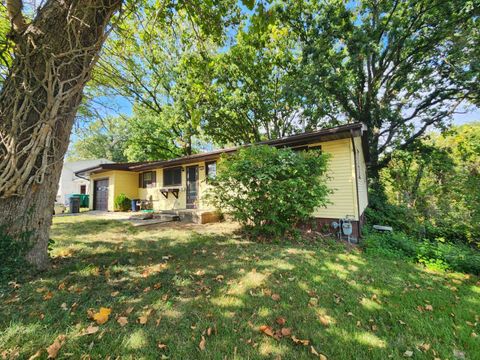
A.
pixel 81 177
pixel 356 179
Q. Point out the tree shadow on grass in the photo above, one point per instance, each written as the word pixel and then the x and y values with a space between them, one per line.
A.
pixel 346 304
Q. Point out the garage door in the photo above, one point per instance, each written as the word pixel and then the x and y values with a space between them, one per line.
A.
pixel 100 196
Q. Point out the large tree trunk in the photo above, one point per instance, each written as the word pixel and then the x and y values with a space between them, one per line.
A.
pixel 53 58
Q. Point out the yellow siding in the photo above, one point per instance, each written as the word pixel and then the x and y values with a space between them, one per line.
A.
pixel 126 182
pixel 341 179
pixel 172 203
pixel 362 176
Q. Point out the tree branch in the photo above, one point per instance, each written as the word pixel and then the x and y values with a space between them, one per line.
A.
pixel 14 10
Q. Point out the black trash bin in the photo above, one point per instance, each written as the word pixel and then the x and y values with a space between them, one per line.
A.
pixel 135 204
pixel 75 204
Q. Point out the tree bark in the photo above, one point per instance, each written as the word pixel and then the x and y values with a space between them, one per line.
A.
pixel 53 59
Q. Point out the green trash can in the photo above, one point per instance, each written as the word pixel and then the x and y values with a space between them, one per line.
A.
pixel 84 200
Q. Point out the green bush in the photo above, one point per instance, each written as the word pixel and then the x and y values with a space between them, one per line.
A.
pixel 122 203
pixel 269 190
pixel 433 254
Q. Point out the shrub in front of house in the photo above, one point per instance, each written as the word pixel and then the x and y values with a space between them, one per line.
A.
pixel 269 191
pixel 122 203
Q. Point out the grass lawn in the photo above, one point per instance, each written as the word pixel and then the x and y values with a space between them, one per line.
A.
pixel 201 292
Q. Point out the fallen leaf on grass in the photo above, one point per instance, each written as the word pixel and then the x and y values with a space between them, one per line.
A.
pixel 408 353
pixel 129 310
pixel 324 320
pixel 424 347
pixel 162 346
pixel 115 293
pixel 300 341
pixel 281 321
pixel 122 320
pixel 36 355
pixel 267 330
pixel 275 297
pixel 429 307
pixel 143 319
pixel 202 344
pixel 101 317
pixel 316 353
pixel 90 330
pixel 53 349
pixel 286 331
pixel 48 296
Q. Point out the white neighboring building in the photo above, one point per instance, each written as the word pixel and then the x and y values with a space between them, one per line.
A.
pixel 71 184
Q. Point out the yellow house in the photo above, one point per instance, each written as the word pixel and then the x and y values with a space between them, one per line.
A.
pixel 178 185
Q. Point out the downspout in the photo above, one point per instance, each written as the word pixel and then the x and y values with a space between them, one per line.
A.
pixel 356 179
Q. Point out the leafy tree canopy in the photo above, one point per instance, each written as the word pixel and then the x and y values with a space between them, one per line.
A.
pixel 103 138
pixel 254 93
pixel 400 67
pixel 437 181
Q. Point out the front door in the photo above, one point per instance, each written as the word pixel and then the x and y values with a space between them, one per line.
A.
pixel 192 186
pixel 100 195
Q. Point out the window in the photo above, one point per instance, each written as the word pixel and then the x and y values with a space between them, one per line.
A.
pixel 83 189
pixel 307 148
pixel 211 170
pixel 147 179
pixel 172 177
pixel 316 147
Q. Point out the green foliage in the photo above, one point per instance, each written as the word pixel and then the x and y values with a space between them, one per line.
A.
pixel 433 189
pixel 254 85
pixel 101 138
pixel 150 137
pixel 158 60
pixel 12 254
pixel 400 67
pixel 269 190
pixel 6 43
pixel 433 254
pixel 122 203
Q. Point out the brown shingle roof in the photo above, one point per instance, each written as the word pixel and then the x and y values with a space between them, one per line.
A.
pixel 338 132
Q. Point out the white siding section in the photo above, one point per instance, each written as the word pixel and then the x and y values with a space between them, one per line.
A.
pixel 362 176
pixel 69 183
